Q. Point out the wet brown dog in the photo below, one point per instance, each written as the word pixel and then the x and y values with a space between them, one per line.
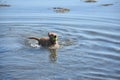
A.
pixel 49 42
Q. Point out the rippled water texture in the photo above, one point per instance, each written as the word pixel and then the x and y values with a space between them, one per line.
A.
pixel 89 38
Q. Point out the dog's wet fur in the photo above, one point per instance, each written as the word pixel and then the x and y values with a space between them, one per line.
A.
pixel 50 41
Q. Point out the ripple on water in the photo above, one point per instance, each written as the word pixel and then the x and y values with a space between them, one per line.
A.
pixel 90 48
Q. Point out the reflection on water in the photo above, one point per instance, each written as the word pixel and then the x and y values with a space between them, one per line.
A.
pixel 53 55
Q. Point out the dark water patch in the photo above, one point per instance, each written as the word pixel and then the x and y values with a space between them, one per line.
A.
pixel 89 1
pixel 4 5
pixel 106 4
pixel 60 10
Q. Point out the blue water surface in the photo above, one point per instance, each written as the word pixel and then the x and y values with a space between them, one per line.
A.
pixel 89 38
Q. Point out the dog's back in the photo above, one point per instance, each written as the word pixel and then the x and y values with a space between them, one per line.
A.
pixel 44 41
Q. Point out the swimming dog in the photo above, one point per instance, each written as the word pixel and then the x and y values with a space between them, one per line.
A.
pixel 48 42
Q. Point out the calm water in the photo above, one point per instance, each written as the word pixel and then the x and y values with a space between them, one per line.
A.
pixel 89 35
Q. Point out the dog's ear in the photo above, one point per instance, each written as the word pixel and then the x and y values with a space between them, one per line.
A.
pixel 49 34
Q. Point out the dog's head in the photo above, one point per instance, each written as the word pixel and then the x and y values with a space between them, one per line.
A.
pixel 53 37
